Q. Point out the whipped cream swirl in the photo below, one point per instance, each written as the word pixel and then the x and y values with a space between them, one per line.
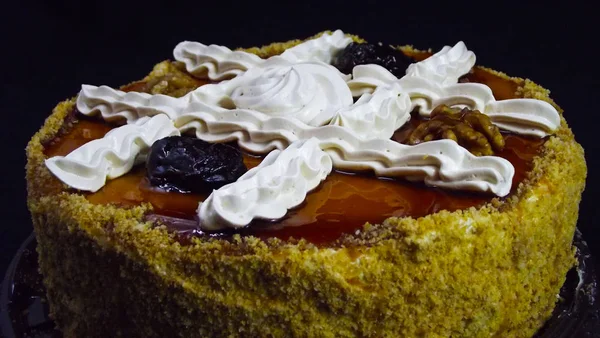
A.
pixel 116 105
pixel 268 191
pixel 440 163
pixel 377 115
pixel 523 116
pixel 311 92
pixel 88 167
pixel 214 62
pixel 445 66
pixel 366 78
pixel 219 62
pixel 323 48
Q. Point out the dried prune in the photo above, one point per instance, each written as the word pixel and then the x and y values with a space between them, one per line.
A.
pixel 365 53
pixel 186 164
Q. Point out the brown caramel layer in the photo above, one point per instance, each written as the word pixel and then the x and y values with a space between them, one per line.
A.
pixel 341 204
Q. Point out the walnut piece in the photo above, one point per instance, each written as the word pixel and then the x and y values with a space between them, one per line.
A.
pixel 469 128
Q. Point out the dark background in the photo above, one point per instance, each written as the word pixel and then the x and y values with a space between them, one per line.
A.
pixel 49 48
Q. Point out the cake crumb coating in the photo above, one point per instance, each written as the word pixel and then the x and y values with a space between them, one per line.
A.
pixel 494 271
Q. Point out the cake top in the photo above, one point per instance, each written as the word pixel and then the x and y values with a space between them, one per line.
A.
pixel 301 103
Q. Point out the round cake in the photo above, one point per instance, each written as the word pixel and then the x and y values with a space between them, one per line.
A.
pixel 325 187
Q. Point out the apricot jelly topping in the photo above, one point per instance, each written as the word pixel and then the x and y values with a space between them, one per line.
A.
pixel 342 204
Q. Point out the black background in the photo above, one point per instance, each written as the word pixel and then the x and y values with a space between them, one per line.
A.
pixel 49 48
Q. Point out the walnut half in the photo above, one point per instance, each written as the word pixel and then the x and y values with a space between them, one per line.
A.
pixel 469 128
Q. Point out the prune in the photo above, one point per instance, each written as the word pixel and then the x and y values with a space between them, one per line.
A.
pixel 186 164
pixel 364 53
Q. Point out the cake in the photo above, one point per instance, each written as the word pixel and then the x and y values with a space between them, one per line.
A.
pixel 388 192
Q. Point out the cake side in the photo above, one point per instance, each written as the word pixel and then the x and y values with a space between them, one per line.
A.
pixel 492 270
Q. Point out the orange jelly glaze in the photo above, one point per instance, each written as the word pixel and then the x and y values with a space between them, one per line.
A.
pixel 341 204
